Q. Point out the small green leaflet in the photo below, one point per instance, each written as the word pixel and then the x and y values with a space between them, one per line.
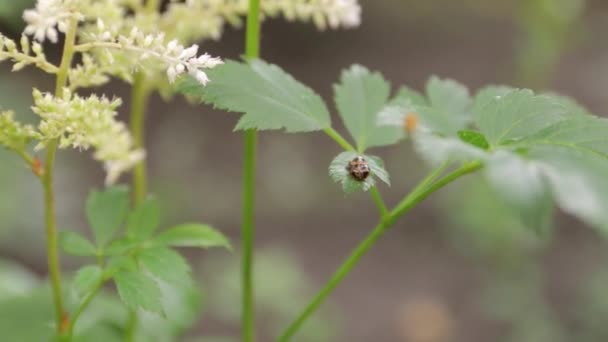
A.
pixel 192 235
pixel 144 219
pixel 86 279
pixel 339 173
pixel 268 96
pixel 360 97
pixel 137 290
pixel 474 138
pixel 75 244
pixel 106 211
pixel 166 264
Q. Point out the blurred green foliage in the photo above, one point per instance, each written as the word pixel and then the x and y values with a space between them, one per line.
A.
pixel 282 288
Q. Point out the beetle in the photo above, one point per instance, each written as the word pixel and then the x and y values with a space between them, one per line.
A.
pixel 358 168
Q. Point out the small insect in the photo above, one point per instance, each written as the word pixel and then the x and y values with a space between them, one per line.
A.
pixel 358 168
pixel 410 122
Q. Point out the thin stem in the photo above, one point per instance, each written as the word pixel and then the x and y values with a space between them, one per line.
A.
pixel 252 50
pixel 430 178
pixel 411 201
pixel 248 236
pixel 377 197
pixel 61 317
pixel 139 99
pixel 83 305
pixel 339 139
pixel 403 207
pixel 131 326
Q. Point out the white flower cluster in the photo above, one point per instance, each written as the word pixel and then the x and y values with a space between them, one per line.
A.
pixel 9 50
pixel 194 20
pixel 176 58
pixel 83 123
pixel 48 17
pixel 14 135
pixel 324 13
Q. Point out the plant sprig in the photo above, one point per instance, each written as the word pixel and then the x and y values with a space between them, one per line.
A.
pixel 536 150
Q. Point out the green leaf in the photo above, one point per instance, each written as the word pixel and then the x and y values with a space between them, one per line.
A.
pixel 145 219
pixel 137 290
pixel 268 96
pixel 86 279
pixel 121 246
pixel 586 134
pixel 578 181
pixel 395 112
pixel 437 149
pixel 192 235
pixel 75 244
pixel 166 264
pixel 339 173
pixel 474 138
pixel 360 97
pixel 451 97
pixel 521 185
pixel 106 211
pixel 120 263
pixel 516 114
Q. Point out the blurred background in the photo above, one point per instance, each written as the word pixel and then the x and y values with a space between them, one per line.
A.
pixel 458 268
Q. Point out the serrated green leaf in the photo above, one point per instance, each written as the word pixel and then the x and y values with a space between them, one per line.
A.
pixel 192 235
pixel 516 114
pixel 144 219
pixel 268 96
pixel 360 96
pixel 106 211
pixel 137 290
pixel 339 173
pixel 474 138
pixel 86 279
pixel 75 244
pixel 581 133
pixel 166 264
pixel 521 185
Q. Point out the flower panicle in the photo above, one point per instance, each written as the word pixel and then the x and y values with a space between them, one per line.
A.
pixel 50 17
pixel 87 122
pixel 26 54
pixel 14 135
pixel 176 58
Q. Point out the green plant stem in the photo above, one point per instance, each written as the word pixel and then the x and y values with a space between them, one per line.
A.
pixel 83 305
pixel 377 197
pixel 61 318
pixel 252 50
pixel 139 100
pixel 339 139
pixel 410 201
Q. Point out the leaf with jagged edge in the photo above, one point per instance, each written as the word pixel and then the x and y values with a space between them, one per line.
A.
pixel 360 96
pixel 269 97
